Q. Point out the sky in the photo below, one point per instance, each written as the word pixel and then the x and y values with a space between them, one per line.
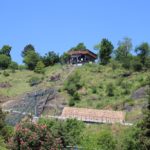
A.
pixel 58 25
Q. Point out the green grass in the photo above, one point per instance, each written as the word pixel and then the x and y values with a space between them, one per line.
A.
pixel 95 80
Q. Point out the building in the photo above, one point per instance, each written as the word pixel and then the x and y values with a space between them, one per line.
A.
pixel 81 56
pixel 94 115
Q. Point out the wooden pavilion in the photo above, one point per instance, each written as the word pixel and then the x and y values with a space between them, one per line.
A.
pixel 81 56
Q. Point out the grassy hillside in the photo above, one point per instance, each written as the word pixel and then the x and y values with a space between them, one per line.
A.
pixel 102 87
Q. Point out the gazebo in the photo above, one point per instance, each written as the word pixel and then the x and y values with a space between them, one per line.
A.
pixel 81 56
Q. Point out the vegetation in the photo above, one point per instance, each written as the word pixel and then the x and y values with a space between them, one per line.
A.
pixel 111 84
pixel 105 48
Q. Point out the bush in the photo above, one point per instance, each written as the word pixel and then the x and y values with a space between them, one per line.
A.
pixel 4 61
pixel 110 89
pixel 13 65
pixel 34 81
pixel 5 73
pixel 106 141
pixel 136 64
pixel 73 84
pixel 40 67
pixel 33 136
pixel 69 131
pixel 71 102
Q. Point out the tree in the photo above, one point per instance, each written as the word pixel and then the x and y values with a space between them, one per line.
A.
pixel 27 48
pixel 106 141
pixel 33 136
pixel 4 61
pixel 50 58
pixel 68 131
pixel 13 65
pixel 123 50
pixel 6 50
pixel 39 67
pixel 143 52
pixel 145 124
pixel 31 58
pixel 79 46
pixel 122 53
pixel 105 48
pixel 64 58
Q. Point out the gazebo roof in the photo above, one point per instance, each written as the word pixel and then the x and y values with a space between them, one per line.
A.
pixel 84 52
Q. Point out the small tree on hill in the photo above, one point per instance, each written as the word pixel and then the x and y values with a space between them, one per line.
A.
pixel 31 58
pixel 143 52
pixel 39 67
pixel 105 50
pixel 27 48
pixel 4 61
pixel 6 50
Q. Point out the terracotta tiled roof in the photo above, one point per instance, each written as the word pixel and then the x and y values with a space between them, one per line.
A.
pixel 94 115
pixel 84 52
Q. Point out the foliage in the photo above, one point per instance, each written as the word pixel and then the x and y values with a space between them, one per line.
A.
pixel 136 64
pixel 145 123
pixel 27 48
pixel 5 50
pixel 39 67
pixel 4 61
pixel 123 50
pixel 34 81
pixel 129 139
pixel 110 89
pixel 31 58
pixel 33 136
pixel 13 65
pixel 106 141
pixel 50 58
pixel 5 73
pixel 68 131
pixel 79 46
pixel 64 58
pixel 73 84
pixel 143 51
pixel 2 144
pixel 105 50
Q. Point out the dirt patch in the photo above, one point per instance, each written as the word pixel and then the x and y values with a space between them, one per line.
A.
pixel 5 85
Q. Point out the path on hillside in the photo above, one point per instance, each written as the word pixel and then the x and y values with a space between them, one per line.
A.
pixel 56 105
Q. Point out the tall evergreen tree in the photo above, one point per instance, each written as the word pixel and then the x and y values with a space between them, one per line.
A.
pixel 105 48
pixel 143 52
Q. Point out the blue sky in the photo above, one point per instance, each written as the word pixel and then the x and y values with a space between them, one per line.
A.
pixel 61 24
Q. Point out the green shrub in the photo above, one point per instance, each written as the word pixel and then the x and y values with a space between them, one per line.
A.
pixel 69 131
pixel 73 84
pixel 136 64
pixel 13 65
pixel 71 102
pixel 110 89
pixel 39 67
pixel 5 73
pixel 33 136
pixel 34 81
pixel 94 89
pixel 106 141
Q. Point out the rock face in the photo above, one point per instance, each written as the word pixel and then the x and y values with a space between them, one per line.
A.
pixel 139 93
pixel 32 103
